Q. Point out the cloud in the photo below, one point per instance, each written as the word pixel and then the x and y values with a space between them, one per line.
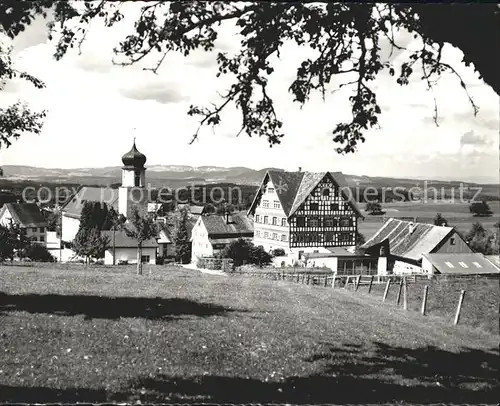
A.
pixel 163 93
pixel 471 138
pixel 92 102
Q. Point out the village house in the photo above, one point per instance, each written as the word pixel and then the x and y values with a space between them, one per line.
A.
pixel 304 212
pixel 27 216
pixel 211 234
pixel 132 193
pixel 400 245
pixel 124 249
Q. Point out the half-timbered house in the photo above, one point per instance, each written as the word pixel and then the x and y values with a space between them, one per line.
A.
pixel 304 212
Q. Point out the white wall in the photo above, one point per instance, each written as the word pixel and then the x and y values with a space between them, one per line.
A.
pixel 129 254
pixel 403 268
pixel 200 244
pixel 427 267
pixel 69 227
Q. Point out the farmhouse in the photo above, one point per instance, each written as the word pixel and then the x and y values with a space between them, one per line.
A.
pixel 453 264
pixel 124 249
pixel 211 234
pixel 27 216
pixel 132 193
pixel 304 212
pixel 400 245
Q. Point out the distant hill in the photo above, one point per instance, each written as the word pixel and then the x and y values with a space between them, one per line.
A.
pixel 175 176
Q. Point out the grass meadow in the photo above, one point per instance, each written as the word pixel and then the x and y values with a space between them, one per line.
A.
pixel 102 334
pixel 457 214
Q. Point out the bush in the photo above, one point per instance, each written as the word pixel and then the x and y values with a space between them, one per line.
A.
pixel 278 252
pixel 38 253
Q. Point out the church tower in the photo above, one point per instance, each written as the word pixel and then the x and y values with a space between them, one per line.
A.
pixel 133 191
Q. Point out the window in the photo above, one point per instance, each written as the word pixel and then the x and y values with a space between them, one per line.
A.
pixel 313 206
pixel 301 221
pixel 329 236
pixel 42 238
pixel 452 241
pixel 257 233
pixel 477 265
pixel 275 221
pixel 275 236
pixel 265 219
pixel 265 203
pixel 277 204
pixel 326 192
pixel 283 222
pixel 328 222
pixel 257 218
pixel 34 229
pixel 270 190
pixel 345 222
pixel 42 229
pixel 449 264
pixel 145 259
pixel 463 264
pixel 344 237
pixel 312 222
pixel 266 234
pixel 334 207
pixel 283 237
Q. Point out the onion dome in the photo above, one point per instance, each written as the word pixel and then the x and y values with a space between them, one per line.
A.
pixel 134 158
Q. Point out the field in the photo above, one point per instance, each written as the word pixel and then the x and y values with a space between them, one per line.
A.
pixel 457 214
pixel 98 335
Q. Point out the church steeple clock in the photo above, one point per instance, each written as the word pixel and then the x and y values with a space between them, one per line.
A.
pixel 133 190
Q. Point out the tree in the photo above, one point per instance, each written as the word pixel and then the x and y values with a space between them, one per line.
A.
pixel 243 251
pixel 18 118
pixel 141 228
pixel 89 243
pixel 439 220
pixel 480 240
pixel 480 209
pixel 278 252
pixel 13 240
pixel 346 39
pixel 374 208
pixel 182 243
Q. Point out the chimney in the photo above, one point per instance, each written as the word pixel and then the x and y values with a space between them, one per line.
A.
pixel 411 228
pixel 228 218
pixel 300 168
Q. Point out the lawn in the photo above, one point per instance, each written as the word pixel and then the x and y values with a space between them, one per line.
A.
pixel 173 335
pixel 457 214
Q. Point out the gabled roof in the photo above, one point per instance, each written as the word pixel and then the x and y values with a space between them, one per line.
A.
pixel 216 226
pixel 74 205
pixel 468 263
pixel 293 188
pixel 424 238
pixel 122 240
pixel 196 209
pixel 25 214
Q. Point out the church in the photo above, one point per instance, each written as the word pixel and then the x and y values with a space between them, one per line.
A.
pixel 132 193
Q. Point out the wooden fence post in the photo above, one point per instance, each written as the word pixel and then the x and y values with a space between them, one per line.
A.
pixel 405 293
pixel 298 275
pixel 386 289
pixel 371 283
pixel 459 307
pixel 358 279
pixel 308 276
pixel 424 300
pixel 326 281
pixel 347 278
pixel 333 280
pixel 398 297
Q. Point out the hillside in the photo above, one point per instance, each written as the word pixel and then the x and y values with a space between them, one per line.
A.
pixel 182 175
pixel 103 335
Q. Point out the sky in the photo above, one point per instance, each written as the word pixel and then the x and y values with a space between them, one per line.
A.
pixel 95 109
